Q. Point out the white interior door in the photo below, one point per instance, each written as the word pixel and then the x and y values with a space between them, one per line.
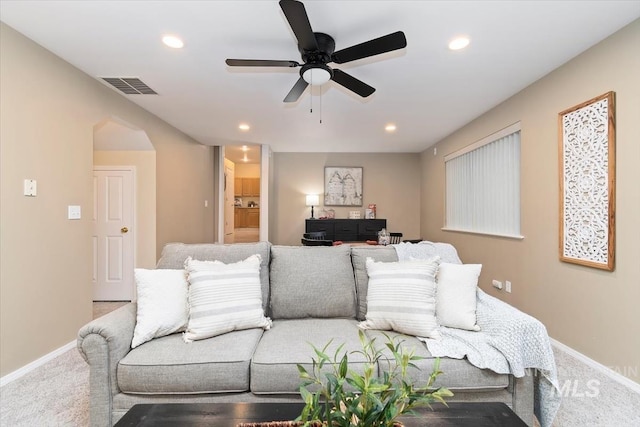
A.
pixel 229 202
pixel 113 234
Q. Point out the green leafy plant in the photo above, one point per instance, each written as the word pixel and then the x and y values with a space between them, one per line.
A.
pixel 337 396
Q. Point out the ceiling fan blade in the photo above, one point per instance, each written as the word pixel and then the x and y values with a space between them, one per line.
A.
pixel 260 63
pixel 373 47
pixel 299 22
pixel 351 83
pixel 296 91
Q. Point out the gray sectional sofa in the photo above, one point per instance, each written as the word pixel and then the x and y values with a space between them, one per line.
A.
pixel 312 295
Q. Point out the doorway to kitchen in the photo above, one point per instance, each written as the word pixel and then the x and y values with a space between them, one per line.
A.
pixel 246 186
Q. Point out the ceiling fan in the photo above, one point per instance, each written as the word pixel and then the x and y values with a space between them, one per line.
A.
pixel 317 50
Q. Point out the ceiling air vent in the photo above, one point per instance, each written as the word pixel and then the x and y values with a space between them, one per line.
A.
pixel 130 85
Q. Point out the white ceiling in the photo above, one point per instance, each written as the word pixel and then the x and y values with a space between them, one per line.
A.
pixel 425 89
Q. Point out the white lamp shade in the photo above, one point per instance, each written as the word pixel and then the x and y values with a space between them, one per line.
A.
pixel 313 200
pixel 316 76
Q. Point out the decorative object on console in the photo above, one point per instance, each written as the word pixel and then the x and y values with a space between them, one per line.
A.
pixel 383 237
pixel 313 200
pixel 587 182
pixel 343 186
pixel 370 212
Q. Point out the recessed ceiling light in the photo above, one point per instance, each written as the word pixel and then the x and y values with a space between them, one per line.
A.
pixel 245 148
pixel 459 43
pixel 390 127
pixel 244 127
pixel 172 41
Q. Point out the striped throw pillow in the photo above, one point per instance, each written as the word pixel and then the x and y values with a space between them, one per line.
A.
pixel 224 297
pixel 402 297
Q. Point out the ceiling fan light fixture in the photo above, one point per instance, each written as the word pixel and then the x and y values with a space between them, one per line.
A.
pixel 459 43
pixel 316 74
pixel 173 42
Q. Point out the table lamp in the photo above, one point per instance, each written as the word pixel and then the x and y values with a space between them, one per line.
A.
pixel 313 200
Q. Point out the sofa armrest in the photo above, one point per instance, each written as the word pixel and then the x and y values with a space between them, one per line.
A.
pixel 523 396
pixel 103 343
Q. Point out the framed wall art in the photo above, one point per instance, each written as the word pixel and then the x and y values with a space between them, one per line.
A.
pixel 342 186
pixel 587 182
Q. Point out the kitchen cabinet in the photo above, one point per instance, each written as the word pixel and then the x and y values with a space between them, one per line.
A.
pixel 253 217
pixel 237 187
pixel 247 217
pixel 246 187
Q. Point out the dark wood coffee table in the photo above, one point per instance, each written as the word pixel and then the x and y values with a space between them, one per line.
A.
pixel 230 414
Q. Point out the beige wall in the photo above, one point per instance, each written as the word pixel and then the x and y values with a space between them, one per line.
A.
pixel 391 181
pixel 244 170
pixel 145 205
pixel 592 311
pixel 48 110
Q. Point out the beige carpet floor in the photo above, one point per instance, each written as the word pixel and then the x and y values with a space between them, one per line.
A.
pixel 57 394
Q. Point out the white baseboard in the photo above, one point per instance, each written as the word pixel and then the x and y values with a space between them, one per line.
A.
pixel 613 375
pixel 36 364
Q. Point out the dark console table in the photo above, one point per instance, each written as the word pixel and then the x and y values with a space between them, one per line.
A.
pixel 348 230
pixel 477 414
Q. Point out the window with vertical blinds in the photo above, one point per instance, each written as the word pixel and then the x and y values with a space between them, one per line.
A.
pixel 483 186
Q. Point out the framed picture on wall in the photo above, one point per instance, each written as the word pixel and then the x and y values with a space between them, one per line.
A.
pixel 342 186
pixel 587 182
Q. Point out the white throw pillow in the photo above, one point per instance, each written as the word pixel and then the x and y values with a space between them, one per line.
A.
pixel 224 297
pixel 456 299
pixel 162 304
pixel 402 297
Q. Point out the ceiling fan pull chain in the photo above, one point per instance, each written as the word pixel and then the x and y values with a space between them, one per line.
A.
pixel 311 96
pixel 320 104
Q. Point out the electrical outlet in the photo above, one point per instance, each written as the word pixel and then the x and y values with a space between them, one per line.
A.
pixel 30 187
pixel 497 284
pixel 507 286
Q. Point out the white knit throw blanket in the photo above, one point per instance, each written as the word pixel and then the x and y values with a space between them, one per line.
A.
pixel 509 342
pixel 425 250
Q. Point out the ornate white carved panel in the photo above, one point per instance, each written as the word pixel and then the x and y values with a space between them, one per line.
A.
pixel 587 182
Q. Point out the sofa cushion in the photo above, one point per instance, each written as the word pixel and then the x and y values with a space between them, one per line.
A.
pixel 174 256
pixel 289 342
pixel 312 281
pixel 402 297
pixel 458 374
pixel 456 299
pixel 224 298
pixel 162 304
pixel 359 255
pixel 168 365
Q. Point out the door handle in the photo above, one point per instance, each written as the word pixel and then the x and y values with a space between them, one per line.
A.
pixel 124 229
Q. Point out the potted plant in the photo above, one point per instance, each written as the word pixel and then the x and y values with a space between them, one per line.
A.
pixel 335 395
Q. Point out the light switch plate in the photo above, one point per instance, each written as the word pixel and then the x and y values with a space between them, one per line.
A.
pixel 74 212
